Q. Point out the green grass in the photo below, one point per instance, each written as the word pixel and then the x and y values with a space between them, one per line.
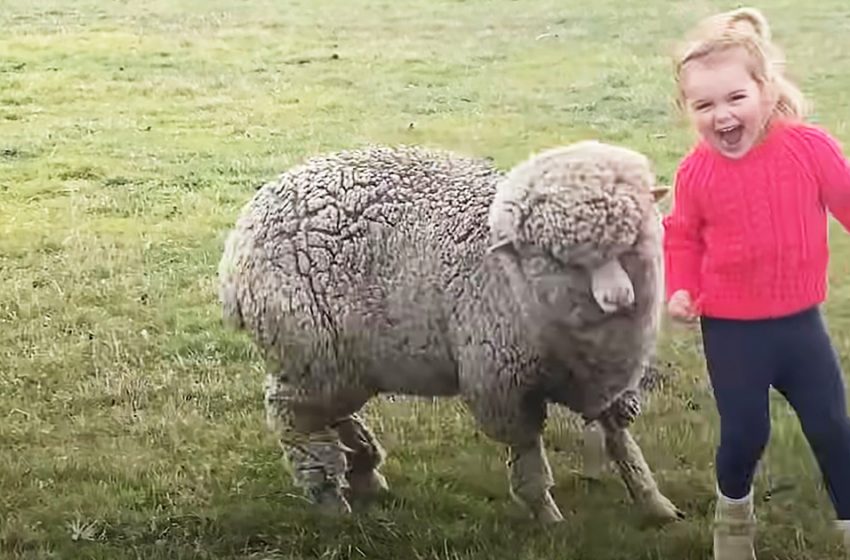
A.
pixel 131 134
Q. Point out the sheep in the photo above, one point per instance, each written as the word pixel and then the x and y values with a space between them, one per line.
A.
pixel 417 271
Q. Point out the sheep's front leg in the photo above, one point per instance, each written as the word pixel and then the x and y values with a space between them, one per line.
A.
pixel 531 478
pixel 611 286
pixel 636 474
pixel 364 457
pixel 491 379
pixel 622 413
pixel 594 457
pixel 503 416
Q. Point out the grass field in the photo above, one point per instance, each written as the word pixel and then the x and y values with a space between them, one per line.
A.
pixel 131 422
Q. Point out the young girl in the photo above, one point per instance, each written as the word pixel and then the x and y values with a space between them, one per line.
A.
pixel 746 254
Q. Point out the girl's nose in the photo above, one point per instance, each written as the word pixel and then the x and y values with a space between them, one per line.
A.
pixel 722 115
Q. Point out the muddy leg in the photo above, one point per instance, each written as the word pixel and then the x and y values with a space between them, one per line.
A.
pixel 520 427
pixel 364 455
pixel 594 455
pixel 635 473
pixel 530 478
pixel 622 413
pixel 315 456
pixel 513 415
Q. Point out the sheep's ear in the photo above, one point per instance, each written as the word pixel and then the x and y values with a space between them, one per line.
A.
pixel 660 192
pixel 506 244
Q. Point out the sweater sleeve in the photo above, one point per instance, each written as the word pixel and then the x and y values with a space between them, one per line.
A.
pixel 833 175
pixel 683 245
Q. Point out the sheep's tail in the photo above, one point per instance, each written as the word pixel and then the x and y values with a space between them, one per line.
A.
pixel 228 294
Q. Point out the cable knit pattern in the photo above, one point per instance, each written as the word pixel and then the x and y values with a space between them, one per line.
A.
pixel 748 238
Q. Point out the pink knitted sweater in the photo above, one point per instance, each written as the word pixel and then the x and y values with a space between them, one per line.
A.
pixel 748 237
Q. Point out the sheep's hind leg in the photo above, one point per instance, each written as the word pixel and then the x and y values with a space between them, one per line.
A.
pixel 634 471
pixel 365 455
pixel 312 447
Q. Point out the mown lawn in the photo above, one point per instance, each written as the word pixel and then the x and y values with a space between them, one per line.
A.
pixel 131 421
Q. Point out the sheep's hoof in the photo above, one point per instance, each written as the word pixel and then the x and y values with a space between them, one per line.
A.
pixel 550 516
pixel 660 509
pixel 548 512
pixel 366 485
pixel 330 501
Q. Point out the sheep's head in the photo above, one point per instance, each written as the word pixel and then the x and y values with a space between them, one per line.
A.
pixel 571 208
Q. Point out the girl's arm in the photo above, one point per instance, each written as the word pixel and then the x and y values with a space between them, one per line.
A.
pixel 834 176
pixel 683 246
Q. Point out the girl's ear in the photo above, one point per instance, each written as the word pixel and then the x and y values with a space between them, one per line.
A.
pixel 769 97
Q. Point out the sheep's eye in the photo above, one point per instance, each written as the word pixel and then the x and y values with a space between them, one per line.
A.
pixel 537 265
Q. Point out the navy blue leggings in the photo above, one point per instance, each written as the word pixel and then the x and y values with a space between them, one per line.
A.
pixel 794 355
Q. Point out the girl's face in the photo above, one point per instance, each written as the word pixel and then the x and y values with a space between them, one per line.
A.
pixel 727 106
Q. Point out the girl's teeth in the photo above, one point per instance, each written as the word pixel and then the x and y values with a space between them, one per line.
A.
pixel 731 135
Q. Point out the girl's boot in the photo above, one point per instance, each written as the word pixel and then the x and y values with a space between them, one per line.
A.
pixel 734 528
pixel 843 527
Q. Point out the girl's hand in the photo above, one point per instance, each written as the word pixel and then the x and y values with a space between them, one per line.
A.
pixel 682 308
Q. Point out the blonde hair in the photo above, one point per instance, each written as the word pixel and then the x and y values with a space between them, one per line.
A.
pixel 747 29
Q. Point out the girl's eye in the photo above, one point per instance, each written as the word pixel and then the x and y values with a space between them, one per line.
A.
pixel 739 97
pixel 702 106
